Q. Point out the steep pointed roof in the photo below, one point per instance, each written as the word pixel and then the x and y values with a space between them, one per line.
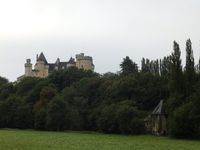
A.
pixel 159 108
pixel 71 61
pixel 42 58
pixel 57 61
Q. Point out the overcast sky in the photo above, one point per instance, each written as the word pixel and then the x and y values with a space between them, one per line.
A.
pixel 107 30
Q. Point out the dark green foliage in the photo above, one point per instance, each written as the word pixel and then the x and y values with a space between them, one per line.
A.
pixel 6 90
pixel 186 120
pixel 15 113
pixel 189 68
pixel 150 90
pixel 107 121
pixel 40 119
pixel 24 116
pixel 184 123
pixel 184 117
pixel 64 78
pixel 34 95
pixel 56 113
pixel 130 120
pixel 128 66
pixel 75 99
pixel 165 67
pixel 176 75
pixel 121 117
pixel 150 66
pixel 123 88
pixel 25 86
pixel 3 81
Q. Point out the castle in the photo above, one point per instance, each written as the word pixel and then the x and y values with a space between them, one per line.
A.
pixel 42 68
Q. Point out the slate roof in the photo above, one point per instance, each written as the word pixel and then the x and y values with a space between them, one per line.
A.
pixel 42 58
pixel 71 61
pixel 58 65
pixel 51 68
pixel 159 109
pixel 63 64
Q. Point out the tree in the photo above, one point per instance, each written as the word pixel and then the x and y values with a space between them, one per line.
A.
pixel 128 66
pixel 129 118
pixel 189 68
pixel 46 95
pixel 184 124
pixel 145 63
pixel 64 78
pixel 165 67
pixel 6 90
pixel 123 88
pixel 107 121
pixel 56 115
pixel 26 85
pixel 3 81
pixel 40 119
pixel 176 75
pixel 154 67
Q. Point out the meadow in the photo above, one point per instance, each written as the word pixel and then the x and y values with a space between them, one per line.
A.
pixel 36 140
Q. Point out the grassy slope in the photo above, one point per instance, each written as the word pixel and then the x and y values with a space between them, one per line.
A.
pixel 34 140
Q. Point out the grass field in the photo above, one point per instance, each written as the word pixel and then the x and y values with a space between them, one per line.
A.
pixel 34 140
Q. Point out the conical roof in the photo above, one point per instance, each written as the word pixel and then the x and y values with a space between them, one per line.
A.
pixel 159 108
pixel 71 61
pixel 42 58
pixel 57 61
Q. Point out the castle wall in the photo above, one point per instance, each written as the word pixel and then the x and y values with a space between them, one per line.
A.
pixel 28 68
pixel 84 64
pixel 71 65
pixel 41 70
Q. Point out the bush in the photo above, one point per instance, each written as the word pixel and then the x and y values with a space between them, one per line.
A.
pixel 183 124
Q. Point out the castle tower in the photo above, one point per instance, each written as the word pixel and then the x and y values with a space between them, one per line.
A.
pixel 84 62
pixel 71 63
pixel 28 68
pixel 41 66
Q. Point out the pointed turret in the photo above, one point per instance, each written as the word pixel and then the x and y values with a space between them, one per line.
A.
pixel 42 58
pixel 71 63
pixel 57 61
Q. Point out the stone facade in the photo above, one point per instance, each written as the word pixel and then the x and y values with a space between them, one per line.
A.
pixel 42 68
pixel 156 122
pixel 84 62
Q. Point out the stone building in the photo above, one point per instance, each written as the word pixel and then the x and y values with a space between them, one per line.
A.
pixel 156 122
pixel 42 68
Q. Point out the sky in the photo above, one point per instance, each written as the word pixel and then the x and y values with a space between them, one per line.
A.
pixel 107 30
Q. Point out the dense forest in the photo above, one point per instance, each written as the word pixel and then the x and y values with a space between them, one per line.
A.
pixel 75 99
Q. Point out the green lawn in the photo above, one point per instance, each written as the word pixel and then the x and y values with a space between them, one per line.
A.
pixel 34 140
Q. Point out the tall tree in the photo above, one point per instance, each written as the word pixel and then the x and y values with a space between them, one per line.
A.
pixel 128 66
pixel 189 68
pixel 154 67
pixel 56 115
pixel 145 65
pixel 165 67
pixel 3 81
pixel 176 79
